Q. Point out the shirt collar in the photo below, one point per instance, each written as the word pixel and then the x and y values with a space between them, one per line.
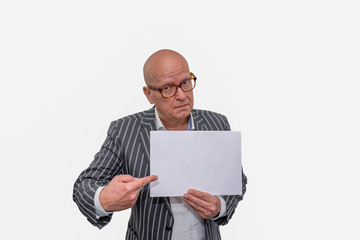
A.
pixel 160 125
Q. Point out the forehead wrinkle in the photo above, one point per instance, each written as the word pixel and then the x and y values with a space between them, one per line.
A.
pixel 167 79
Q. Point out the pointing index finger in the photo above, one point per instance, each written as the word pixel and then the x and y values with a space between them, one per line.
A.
pixel 141 182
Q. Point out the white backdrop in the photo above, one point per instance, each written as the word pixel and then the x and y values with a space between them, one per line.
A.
pixel 285 73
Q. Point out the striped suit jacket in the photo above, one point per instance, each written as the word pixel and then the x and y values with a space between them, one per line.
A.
pixel 126 151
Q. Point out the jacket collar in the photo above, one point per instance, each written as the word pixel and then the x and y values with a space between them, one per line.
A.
pixel 199 122
pixel 148 123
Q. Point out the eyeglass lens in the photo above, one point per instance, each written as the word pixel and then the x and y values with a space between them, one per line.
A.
pixel 170 91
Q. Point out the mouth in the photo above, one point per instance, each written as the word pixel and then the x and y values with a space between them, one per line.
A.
pixel 182 106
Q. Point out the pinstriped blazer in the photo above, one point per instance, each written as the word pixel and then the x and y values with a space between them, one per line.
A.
pixel 126 151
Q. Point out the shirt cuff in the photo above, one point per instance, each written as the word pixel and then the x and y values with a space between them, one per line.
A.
pixel 99 211
pixel 222 210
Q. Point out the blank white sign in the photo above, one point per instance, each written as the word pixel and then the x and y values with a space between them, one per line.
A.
pixel 209 161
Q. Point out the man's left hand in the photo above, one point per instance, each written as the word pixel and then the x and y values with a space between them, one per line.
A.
pixel 205 204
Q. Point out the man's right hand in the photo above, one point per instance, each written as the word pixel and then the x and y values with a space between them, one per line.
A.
pixel 122 192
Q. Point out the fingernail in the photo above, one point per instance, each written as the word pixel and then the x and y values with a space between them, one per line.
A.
pixel 190 191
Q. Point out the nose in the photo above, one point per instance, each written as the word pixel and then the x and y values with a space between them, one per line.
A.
pixel 180 94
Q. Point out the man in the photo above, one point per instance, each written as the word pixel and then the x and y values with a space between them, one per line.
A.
pixel 118 176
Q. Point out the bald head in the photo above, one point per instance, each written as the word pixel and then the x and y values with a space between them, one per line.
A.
pixel 167 68
pixel 160 61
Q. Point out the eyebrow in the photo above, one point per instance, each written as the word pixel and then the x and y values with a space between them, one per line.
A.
pixel 179 82
pixel 169 84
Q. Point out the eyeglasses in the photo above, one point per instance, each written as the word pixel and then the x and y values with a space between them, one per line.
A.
pixel 170 90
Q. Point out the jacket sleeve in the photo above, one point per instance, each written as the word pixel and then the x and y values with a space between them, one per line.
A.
pixel 105 166
pixel 231 203
pixel 231 200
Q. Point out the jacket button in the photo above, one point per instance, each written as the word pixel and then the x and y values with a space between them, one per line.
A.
pixel 168 228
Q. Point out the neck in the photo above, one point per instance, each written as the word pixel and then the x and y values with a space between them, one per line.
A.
pixel 176 126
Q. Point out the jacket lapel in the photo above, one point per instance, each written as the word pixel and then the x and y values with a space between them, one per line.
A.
pixel 199 122
pixel 148 124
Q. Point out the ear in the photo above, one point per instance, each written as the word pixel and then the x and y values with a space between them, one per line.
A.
pixel 146 91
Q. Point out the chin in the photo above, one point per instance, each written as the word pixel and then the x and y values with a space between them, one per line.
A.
pixel 183 113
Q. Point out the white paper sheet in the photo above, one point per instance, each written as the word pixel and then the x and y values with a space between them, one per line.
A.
pixel 208 161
